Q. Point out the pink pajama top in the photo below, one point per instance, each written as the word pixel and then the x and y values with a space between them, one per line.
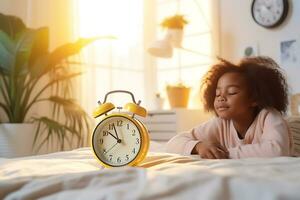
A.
pixel 267 136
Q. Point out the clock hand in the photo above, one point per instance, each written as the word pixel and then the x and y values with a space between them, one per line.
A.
pixel 112 135
pixel 118 140
pixel 111 148
pixel 123 138
pixel 115 131
pixel 266 10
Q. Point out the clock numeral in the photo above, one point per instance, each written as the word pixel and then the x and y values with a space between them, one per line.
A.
pixel 133 132
pixel 128 126
pixel 119 159
pixel 127 157
pixel 137 141
pixel 101 141
pixel 105 133
pixel 119 123
pixel 110 157
pixel 133 150
pixel 111 126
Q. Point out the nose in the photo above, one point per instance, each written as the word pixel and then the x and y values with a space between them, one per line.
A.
pixel 221 98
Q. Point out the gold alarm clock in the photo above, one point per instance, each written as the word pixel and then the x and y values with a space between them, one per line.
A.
pixel 120 139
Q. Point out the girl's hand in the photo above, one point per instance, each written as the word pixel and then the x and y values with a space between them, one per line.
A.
pixel 211 150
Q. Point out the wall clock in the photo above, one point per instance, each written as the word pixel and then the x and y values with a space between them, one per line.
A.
pixel 120 139
pixel 269 13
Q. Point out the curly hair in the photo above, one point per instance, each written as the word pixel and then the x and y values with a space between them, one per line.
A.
pixel 265 81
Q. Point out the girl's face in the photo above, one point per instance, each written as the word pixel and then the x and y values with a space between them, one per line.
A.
pixel 232 100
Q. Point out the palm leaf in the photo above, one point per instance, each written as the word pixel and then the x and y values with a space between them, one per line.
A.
pixel 4 88
pixel 75 119
pixel 75 116
pixel 48 85
pixel 11 24
pixel 6 52
pixel 40 44
pixel 39 66
pixel 23 45
pixel 70 49
pixel 4 107
pixel 39 57
pixel 23 48
pixel 72 111
pixel 7 42
pixel 53 129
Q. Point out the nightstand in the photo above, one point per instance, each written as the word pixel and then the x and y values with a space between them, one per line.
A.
pixel 165 124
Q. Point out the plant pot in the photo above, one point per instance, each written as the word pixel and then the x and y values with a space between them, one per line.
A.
pixel 178 96
pixel 176 36
pixel 16 139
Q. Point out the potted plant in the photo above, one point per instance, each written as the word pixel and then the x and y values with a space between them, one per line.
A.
pixel 174 22
pixel 30 74
pixel 175 25
pixel 178 95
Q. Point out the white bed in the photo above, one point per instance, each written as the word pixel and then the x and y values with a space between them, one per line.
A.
pixel 77 175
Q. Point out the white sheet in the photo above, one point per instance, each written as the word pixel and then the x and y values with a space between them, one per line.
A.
pixel 77 175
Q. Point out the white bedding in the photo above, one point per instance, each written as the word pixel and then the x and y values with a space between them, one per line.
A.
pixel 77 175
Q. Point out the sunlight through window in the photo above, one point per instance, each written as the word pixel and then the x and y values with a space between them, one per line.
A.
pixel 113 17
pixel 111 64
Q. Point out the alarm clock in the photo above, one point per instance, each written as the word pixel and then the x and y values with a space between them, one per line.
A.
pixel 120 139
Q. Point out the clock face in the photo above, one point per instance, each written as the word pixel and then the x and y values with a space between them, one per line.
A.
pixel 116 141
pixel 269 13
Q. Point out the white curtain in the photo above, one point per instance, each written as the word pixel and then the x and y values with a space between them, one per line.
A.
pixel 111 64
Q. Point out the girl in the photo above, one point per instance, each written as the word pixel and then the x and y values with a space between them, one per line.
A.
pixel 248 100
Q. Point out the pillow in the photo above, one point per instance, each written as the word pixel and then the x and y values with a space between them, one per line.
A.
pixel 294 125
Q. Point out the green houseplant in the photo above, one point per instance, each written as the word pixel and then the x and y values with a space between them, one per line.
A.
pixel 31 74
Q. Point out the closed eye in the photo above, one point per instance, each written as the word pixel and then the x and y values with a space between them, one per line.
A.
pixel 232 93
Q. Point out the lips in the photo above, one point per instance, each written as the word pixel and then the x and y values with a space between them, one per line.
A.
pixel 222 108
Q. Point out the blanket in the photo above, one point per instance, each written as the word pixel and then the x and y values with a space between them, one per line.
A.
pixel 78 175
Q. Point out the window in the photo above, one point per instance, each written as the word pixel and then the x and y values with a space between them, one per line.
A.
pixel 122 64
pixel 188 66
pixel 111 64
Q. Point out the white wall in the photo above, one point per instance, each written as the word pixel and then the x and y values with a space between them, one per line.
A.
pixel 238 29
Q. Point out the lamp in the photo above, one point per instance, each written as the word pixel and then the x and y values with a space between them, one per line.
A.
pixel 163 48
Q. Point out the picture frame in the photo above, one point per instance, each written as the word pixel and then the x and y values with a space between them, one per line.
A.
pixel 289 53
